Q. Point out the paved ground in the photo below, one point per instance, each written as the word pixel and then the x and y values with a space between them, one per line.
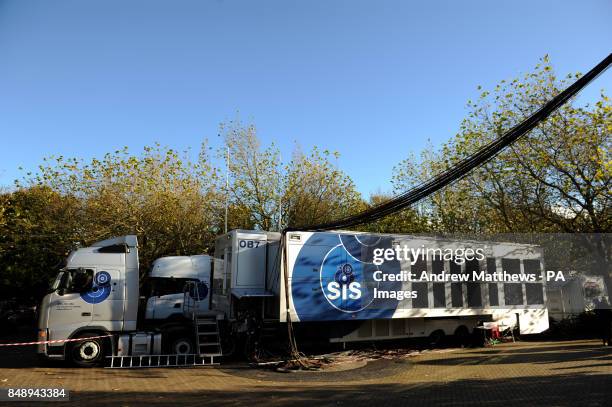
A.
pixel 576 373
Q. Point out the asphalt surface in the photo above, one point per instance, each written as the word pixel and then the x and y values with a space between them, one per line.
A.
pixel 570 373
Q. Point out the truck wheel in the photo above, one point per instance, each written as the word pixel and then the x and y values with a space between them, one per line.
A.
pixel 182 346
pixel 462 335
pixel 88 353
pixel 436 338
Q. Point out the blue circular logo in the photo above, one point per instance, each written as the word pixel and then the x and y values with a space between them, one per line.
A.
pixel 344 275
pixel 100 289
pixel 102 278
pixel 202 290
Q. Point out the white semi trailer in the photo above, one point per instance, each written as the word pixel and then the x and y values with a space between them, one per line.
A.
pixel 308 283
pixel 264 280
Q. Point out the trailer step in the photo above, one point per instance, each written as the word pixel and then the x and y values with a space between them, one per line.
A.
pixel 144 361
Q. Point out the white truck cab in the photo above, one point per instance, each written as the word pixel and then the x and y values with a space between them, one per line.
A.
pixel 95 294
pixel 168 277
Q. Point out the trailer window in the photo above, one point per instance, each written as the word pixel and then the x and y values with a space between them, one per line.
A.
pixel 474 294
pixel 455 268
pixel 419 266
pixel 421 300
pixel 456 288
pixel 511 266
pixel 535 293
pixel 532 267
pixel 439 289
pixel 437 265
pixel 439 294
pixel 456 295
pixel 513 292
pixel 493 294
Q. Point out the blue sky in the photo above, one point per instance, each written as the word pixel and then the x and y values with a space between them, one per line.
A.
pixel 371 79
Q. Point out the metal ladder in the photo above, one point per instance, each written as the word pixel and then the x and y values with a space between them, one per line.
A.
pixel 208 341
pixel 143 361
pixel 208 344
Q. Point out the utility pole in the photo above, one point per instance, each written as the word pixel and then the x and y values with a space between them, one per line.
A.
pixel 227 158
pixel 280 196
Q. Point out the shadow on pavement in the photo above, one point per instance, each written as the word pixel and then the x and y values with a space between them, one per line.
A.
pixel 562 390
pixel 541 355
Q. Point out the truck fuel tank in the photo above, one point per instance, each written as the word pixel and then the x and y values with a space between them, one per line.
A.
pixel 139 343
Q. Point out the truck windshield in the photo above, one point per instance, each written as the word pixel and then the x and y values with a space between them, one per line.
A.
pixel 57 281
pixel 166 286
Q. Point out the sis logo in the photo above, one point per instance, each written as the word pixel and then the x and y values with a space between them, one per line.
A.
pixel 344 285
pixel 345 281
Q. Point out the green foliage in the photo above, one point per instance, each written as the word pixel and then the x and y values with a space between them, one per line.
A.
pixel 255 176
pixel 316 191
pixel 555 179
pixel 36 231
pixel 266 194
pixel 166 199
pixel 408 220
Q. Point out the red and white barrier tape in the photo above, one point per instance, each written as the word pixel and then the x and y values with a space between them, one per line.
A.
pixel 54 341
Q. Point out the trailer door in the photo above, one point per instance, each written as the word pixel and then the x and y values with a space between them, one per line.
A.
pixel 251 261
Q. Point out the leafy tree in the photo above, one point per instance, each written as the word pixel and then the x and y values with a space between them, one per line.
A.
pixel 408 220
pixel 165 198
pixel 266 194
pixel 316 191
pixel 557 178
pixel 255 176
pixel 36 233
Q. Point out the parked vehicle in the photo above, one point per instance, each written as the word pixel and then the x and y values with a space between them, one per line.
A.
pixel 579 293
pixel 293 284
pixel 327 285
pixel 167 280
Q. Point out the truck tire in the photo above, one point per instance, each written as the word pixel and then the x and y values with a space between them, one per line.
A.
pixel 436 338
pixel 88 353
pixel 462 335
pixel 182 345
